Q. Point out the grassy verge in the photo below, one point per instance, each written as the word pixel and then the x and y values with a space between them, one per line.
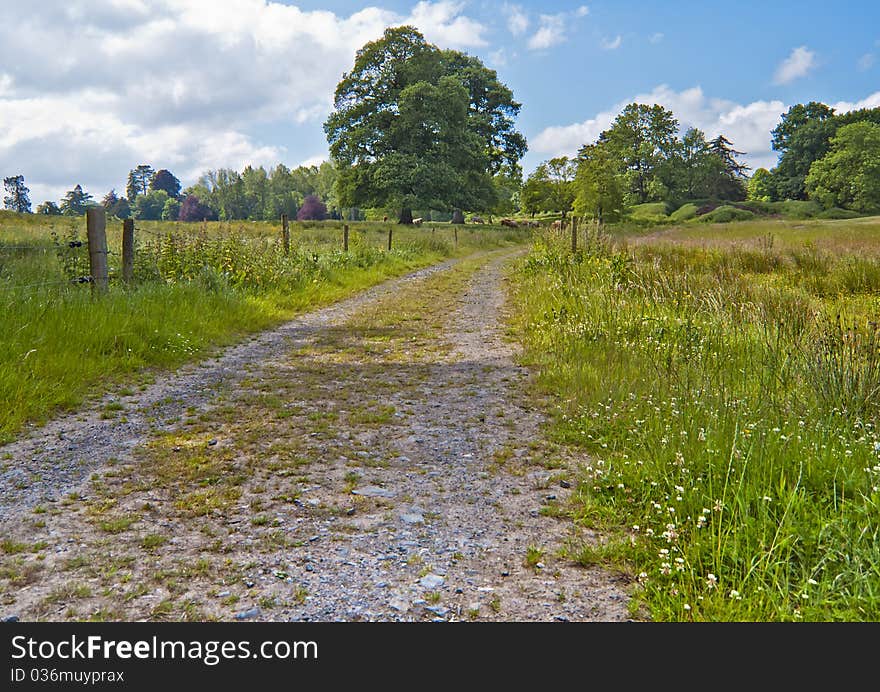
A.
pixel 197 288
pixel 727 398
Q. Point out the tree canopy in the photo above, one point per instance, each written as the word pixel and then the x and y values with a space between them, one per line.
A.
pixel 849 175
pixel 417 127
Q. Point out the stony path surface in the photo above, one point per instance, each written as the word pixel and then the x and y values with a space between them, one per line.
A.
pixel 375 461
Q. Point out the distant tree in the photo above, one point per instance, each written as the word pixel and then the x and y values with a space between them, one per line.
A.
pixel 849 175
pixel 171 210
pixel 75 202
pixel 224 192
pixel 17 198
pixel 551 187
pixel 762 186
pixel 729 183
pixel 139 181
pixel 48 208
pixel 116 206
pixel 417 127
pixel 149 207
pixel 255 182
pixel 163 179
pixel 802 137
pixel 192 209
pixel 644 140
pixel 598 185
pixel 508 183
pixel 312 209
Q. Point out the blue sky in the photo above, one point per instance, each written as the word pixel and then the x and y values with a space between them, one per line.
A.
pixel 195 84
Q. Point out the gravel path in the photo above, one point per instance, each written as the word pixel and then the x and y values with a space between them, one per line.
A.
pixel 57 457
pixel 377 460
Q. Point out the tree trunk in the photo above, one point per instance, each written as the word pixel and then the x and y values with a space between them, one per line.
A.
pixel 457 216
pixel 405 217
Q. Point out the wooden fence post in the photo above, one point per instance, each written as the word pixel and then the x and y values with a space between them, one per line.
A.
pixel 285 233
pixel 96 231
pixel 389 238
pixel 455 229
pixel 128 250
pixel 574 234
pixel 345 237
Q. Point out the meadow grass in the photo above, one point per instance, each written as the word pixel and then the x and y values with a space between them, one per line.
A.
pixel 198 286
pixel 726 397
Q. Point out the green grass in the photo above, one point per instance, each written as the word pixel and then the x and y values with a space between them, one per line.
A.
pixel 728 399
pixel 199 286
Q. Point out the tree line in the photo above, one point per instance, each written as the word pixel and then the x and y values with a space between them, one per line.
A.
pixel 416 130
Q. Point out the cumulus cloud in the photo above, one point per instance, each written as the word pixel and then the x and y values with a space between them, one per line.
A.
pixel 611 43
pixel 551 31
pixel 747 126
pixel 872 101
pixel 799 64
pixel 866 62
pixel 182 84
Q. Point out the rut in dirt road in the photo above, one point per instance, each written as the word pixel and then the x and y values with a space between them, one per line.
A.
pixel 385 466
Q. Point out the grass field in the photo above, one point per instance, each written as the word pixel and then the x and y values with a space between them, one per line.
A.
pixel 198 286
pixel 723 384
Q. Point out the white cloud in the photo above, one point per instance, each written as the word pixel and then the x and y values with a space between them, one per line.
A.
pixel 866 62
pixel 611 44
pixel 517 19
pixel 181 84
pixel 553 28
pixel 551 31
pixel 799 64
pixel 747 126
pixel 657 38
pixel 872 101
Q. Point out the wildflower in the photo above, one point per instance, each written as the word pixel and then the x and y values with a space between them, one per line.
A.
pixel 665 568
pixel 679 489
pixel 734 594
pixel 812 581
pixel 687 606
pixel 635 527
pixel 701 521
pixel 711 581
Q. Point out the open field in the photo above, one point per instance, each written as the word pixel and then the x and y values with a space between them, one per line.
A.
pixel 198 286
pixel 723 386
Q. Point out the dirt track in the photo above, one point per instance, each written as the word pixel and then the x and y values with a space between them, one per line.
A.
pixel 376 460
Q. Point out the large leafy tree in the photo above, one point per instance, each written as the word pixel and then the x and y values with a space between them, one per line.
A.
pixel 644 139
pixel 849 175
pixel 802 137
pixel 417 127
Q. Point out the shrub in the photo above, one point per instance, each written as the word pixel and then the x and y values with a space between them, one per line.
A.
pixel 838 213
pixel 312 209
pixel 727 214
pixel 795 209
pixel 684 213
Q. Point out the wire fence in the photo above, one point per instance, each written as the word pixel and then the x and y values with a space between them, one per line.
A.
pixel 241 254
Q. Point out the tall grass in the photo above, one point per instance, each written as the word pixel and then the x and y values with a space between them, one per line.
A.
pixel 198 286
pixel 728 400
